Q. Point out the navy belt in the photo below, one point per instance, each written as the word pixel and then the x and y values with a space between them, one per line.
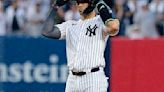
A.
pixel 83 73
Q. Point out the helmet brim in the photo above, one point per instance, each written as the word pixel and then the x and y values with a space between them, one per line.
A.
pixel 83 1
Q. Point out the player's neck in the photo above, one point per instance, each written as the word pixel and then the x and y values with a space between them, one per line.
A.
pixel 89 16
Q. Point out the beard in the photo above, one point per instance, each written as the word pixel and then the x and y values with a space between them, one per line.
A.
pixel 81 12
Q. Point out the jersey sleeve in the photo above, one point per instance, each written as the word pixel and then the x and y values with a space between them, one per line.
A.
pixel 63 28
pixel 105 37
pixel 102 24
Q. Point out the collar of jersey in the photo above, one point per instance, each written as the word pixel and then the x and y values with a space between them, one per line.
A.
pixel 89 19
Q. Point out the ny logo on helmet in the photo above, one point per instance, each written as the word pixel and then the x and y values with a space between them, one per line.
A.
pixel 91 31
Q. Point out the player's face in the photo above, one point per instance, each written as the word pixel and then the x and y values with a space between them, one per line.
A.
pixel 82 7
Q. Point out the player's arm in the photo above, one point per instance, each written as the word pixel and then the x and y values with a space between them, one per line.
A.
pixel 105 12
pixel 53 33
pixel 50 30
pixel 56 31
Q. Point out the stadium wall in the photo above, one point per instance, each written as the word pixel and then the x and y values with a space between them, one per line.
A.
pixel 34 64
pixel 137 65
pixel 39 65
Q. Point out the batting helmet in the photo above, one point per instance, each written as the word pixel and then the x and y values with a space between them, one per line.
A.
pixel 90 8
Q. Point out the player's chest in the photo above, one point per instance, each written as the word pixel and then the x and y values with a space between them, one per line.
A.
pixel 85 30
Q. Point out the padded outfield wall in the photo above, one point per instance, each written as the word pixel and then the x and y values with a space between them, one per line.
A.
pixel 34 64
pixel 39 65
pixel 137 65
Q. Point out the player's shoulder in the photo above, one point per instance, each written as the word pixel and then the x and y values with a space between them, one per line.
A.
pixel 99 18
pixel 70 22
pixel 96 19
pixel 67 23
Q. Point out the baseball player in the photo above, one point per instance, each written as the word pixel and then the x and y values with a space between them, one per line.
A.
pixel 85 44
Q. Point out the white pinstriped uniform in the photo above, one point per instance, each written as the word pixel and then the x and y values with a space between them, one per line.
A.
pixel 85 50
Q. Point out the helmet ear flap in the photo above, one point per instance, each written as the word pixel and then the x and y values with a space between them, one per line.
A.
pixel 88 10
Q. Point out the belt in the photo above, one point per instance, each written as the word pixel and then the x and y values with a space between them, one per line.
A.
pixel 83 73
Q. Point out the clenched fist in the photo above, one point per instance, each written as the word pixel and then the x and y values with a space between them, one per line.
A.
pixel 112 27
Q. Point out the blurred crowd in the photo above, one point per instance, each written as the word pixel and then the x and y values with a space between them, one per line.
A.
pixel 22 17
pixel 138 18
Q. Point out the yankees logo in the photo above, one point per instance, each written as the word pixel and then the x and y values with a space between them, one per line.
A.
pixel 91 31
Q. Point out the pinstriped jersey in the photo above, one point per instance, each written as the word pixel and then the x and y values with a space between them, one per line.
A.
pixel 85 43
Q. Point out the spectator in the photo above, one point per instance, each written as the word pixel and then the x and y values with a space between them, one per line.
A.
pixel 45 6
pixel 7 3
pixel 35 17
pixel 157 7
pixel 73 13
pixel 61 14
pixel 2 20
pixel 132 5
pixel 15 18
pixel 122 13
pixel 133 32
pixel 145 19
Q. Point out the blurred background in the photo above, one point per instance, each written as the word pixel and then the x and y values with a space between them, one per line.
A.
pixel 139 18
pixel 31 63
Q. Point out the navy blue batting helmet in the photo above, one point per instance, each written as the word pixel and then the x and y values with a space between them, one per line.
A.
pixel 90 8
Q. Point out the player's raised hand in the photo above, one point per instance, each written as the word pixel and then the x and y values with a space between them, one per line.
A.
pixel 112 27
